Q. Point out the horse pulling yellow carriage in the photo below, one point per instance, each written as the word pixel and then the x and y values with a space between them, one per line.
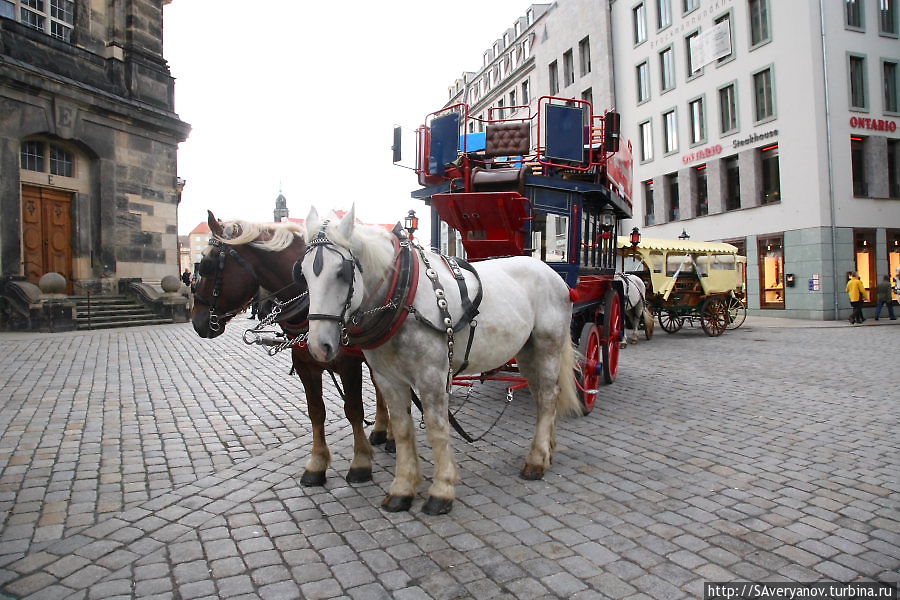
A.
pixel 690 281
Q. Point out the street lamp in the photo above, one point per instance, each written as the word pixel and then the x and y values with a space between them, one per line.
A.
pixel 411 223
pixel 684 235
pixel 635 237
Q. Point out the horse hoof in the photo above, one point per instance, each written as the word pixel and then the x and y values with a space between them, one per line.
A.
pixel 390 447
pixel 396 503
pixel 359 475
pixel 377 438
pixel 312 479
pixel 437 506
pixel 532 472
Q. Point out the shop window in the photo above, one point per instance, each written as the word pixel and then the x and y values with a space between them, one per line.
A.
pixel 741 245
pixel 771 271
pixel 673 212
pixel 893 167
pixel 858 166
pixel 702 207
pixel 893 241
pixel 649 217
pixel 732 183
pixel 771 182
pixel 864 253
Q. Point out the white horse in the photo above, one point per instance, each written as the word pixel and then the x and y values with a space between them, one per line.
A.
pixel 635 305
pixel 525 312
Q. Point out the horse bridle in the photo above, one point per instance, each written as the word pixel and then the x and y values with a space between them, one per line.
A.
pixel 319 244
pixel 225 250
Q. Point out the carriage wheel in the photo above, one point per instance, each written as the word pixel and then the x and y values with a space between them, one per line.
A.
pixel 737 312
pixel 648 324
pixel 670 321
pixel 589 377
pixel 612 334
pixel 714 316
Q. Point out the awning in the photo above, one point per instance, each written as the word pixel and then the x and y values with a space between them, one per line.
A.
pixel 678 245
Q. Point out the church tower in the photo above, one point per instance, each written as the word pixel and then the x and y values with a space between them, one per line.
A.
pixel 281 209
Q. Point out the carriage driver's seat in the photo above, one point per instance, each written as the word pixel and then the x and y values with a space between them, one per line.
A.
pixel 503 139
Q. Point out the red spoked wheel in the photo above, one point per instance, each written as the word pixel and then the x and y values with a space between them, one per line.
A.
pixel 589 377
pixel 612 335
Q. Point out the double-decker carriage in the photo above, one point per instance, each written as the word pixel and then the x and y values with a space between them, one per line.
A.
pixel 536 184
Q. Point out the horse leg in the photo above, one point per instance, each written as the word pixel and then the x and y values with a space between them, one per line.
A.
pixel 539 363
pixel 320 457
pixel 408 471
pixel 437 426
pixel 361 466
pixel 636 312
pixel 379 433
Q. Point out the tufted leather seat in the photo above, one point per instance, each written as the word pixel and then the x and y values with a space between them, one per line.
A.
pixel 507 139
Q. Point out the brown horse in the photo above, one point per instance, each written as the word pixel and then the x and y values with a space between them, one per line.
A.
pixel 244 257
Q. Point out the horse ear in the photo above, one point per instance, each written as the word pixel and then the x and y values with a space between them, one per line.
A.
pixel 312 223
pixel 345 228
pixel 215 225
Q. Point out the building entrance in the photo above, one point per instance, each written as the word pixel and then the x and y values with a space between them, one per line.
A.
pixel 47 233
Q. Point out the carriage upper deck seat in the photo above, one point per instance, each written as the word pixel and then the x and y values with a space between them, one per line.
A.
pixel 503 140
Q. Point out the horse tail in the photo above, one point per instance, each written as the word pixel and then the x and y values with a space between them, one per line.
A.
pixel 567 403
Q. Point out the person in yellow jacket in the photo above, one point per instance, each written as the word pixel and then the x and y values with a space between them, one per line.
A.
pixel 857 292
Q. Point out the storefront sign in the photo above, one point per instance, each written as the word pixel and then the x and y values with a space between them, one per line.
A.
pixel 753 138
pixel 873 124
pixel 814 283
pixel 702 153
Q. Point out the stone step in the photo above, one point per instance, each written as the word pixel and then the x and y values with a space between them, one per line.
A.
pixel 81 324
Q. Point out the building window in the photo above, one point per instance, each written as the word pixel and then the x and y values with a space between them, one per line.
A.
pixel 673 212
pixel 858 167
pixel 893 166
pixel 889 77
pixel 853 13
pixel 646 135
pixel 864 251
pixel 584 55
pixel 32 156
pixel 732 183
pixel 588 96
pixel 702 207
pixel 663 13
pixel 501 114
pixel 726 18
pixel 639 23
pixel 526 98
pixel 649 218
pixel 39 155
pixel 689 5
pixel 667 69
pixel 568 68
pixel 512 98
pixel 728 109
pixel 858 82
pixel 670 132
pixel 759 22
pixel 771 179
pixel 763 98
pixel 643 82
pixel 7 9
pixel 58 22
pixel 518 28
pixel 698 121
pixel 61 161
pixel 771 271
pixel 529 17
pixel 554 78
pixel 887 17
pixel 692 68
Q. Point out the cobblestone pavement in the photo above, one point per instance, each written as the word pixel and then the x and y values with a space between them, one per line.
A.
pixel 150 463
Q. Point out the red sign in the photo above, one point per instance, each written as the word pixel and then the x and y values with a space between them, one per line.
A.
pixel 618 169
pixel 702 153
pixel 873 124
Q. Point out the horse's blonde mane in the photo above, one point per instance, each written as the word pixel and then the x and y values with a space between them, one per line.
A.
pixel 244 232
pixel 372 246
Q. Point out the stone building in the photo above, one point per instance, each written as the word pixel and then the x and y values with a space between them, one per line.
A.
pixel 88 143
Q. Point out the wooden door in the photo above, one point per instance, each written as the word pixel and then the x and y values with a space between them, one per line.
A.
pixel 46 233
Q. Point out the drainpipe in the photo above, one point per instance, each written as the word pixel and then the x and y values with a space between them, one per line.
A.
pixel 834 272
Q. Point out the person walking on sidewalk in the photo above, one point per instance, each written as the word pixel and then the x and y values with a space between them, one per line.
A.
pixel 856 291
pixel 884 298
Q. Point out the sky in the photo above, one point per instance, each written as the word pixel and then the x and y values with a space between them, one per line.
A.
pixel 302 97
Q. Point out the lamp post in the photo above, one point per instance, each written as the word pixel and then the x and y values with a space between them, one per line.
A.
pixel 684 235
pixel 411 223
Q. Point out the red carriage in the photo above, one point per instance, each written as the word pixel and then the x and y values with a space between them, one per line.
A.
pixel 536 184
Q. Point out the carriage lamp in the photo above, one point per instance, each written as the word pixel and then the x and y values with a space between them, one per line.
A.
pixel 684 235
pixel 607 218
pixel 635 237
pixel 411 223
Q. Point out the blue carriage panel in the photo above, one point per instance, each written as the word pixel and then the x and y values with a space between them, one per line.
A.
pixel 565 134
pixel 472 142
pixel 445 141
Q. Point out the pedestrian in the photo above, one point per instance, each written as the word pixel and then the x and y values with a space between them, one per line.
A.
pixel 884 298
pixel 856 291
pixel 186 277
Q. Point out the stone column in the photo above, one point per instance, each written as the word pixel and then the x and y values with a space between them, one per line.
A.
pixel 875 159
pixel 750 167
pixel 715 186
pixel 661 199
pixel 687 193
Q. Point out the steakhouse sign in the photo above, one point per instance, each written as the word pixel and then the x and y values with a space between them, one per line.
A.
pixel 873 124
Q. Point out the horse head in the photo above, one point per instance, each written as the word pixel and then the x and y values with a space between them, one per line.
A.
pixel 334 278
